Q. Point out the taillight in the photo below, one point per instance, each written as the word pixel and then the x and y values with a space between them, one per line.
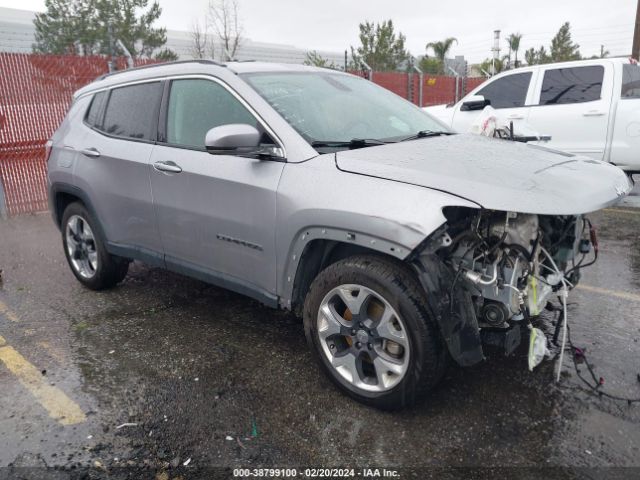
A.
pixel 47 150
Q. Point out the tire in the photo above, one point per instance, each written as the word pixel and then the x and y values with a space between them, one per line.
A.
pixel 401 338
pixel 85 250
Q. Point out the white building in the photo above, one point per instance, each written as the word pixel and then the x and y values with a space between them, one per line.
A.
pixel 17 35
pixel 16 30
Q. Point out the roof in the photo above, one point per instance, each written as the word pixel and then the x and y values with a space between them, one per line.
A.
pixel 255 67
pixel 575 63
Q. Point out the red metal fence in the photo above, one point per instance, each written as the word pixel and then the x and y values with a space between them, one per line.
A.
pixel 35 91
pixel 436 89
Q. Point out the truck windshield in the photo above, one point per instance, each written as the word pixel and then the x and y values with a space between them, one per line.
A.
pixel 630 81
pixel 331 110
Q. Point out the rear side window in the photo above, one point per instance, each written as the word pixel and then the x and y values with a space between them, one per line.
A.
pixel 196 106
pixel 572 85
pixel 95 108
pixel 132 112
pixel 508 92
pixel 630 81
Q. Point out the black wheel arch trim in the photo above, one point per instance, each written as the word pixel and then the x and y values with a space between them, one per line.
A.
pixel 306 236
pixel 61 187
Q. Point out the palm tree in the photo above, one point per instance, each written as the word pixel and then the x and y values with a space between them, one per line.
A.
pixel 514 45
pixel 441 49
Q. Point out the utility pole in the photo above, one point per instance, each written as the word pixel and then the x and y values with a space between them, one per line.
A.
pixel 496 49
pixel 345 59
pixel 635 49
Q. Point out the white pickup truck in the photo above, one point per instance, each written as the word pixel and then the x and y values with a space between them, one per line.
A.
pixel 588 107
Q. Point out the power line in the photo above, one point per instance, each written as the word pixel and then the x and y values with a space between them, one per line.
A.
pixel 609 37
pixel 576 30
pixel 616 41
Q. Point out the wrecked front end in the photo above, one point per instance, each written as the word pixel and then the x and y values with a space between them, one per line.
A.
pixel 487 273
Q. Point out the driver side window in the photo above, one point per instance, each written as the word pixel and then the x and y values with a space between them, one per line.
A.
pixel 198 105
pixel 509 91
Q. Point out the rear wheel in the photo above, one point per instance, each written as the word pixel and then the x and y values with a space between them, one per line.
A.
pixel 365 320
pixel 85 251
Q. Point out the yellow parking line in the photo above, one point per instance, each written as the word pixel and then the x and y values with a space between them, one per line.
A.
pixel 59 406
pixel 611 293
pixel 8 313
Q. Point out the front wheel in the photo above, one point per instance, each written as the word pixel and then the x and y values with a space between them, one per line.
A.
pixel 366 321
pixel 86 254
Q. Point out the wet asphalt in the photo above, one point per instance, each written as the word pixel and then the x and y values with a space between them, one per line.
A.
pixel 207 375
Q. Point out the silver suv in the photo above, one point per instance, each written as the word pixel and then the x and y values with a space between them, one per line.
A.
pixel 400 244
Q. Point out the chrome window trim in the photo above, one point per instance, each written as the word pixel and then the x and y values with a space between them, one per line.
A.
pixel 188 76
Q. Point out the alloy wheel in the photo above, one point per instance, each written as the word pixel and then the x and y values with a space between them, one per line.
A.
pixel 363 338
pixel 81 246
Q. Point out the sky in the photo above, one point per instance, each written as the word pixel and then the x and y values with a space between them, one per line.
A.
pixel 332 25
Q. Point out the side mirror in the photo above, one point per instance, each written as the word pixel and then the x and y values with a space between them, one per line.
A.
pixel 235 138
pixel 240 139
pixel 474 102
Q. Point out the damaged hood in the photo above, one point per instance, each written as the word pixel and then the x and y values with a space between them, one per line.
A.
pixel 496 174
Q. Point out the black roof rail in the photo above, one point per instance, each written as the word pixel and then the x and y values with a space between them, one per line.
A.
pixel 152 65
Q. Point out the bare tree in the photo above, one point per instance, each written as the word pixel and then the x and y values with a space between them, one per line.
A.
pixel 223 16
pixel 201 42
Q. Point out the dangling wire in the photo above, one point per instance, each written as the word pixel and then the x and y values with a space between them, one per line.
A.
pixel 597 382
pixel 564 293
pixel 566 336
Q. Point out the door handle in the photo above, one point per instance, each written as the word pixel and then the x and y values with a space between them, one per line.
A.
pixel 167 166
pixel 593 113
pixel 515 116
pixel 90 152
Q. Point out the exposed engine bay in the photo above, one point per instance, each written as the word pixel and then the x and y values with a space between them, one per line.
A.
pixel 498 270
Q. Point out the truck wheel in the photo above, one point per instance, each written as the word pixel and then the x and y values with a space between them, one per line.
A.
pixel 86 254
pixel 366 321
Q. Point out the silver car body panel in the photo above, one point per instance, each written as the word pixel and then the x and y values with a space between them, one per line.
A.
pixel 498 175
pixel 118 184
pixel 389 217
pixel 219 213
pixel 63 153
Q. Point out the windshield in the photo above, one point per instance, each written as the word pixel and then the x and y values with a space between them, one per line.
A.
pixel 333 108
